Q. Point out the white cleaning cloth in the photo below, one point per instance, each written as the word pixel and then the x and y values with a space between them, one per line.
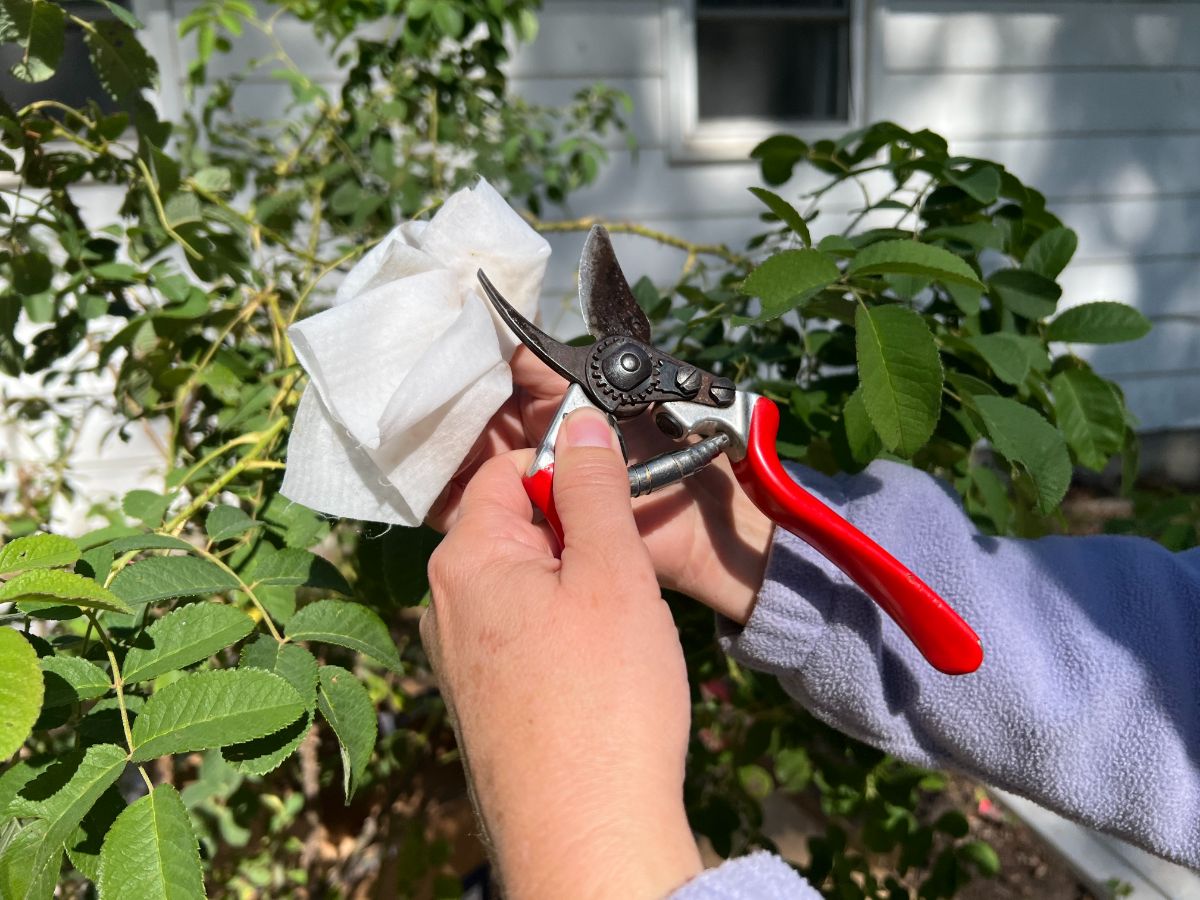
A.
pixel 409 363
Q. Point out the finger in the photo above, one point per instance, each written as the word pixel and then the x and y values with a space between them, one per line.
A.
pixel 591 495
pixel 535 377
pixel 496 489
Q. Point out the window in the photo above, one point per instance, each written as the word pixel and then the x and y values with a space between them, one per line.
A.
pixel 739 70
pixel 74 81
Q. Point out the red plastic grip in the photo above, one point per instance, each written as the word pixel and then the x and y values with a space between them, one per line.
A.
pixel 540 487
pixel 943 638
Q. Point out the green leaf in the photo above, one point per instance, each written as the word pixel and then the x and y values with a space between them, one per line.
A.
pixel 1024 293
pixel 48 585
pixel 295 567
pixel 1023 437
pixel 38 551
pixel 980 235
pixel 1051 252
pixel 968 300
pixel 146 506
pixel 27 871
pixel 20 691
pixel 100 559
pixel 785 212
pixel 981 184
pixel 449 19
pixel 783 279
pixel 1090 414
pixel 953 823
pixel 122 13
pixel 121 62
pixel 214 179
pixel 213 709
pixel 347 708
pixel 860 433
pixel 86 841
pixel 62 795
pixel 291 661
pixel 266 754
pixel 37 27
pixel 778 156
pixel 184 636
pixel 346 625
pixel 225 522
pixel 913 258
pixel 1102 322
pixel 982 856
pixel 900 374
pixel 69 679
pixel 165 577
pixel 1005 354
pixel 151 853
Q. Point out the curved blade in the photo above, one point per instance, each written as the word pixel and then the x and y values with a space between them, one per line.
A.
pixel 607 303
pixel 569 362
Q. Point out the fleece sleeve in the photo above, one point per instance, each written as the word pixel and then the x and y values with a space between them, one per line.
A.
pixel 754 877
pixel 1088 699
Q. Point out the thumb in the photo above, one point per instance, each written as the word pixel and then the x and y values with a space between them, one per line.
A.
pixel 591 494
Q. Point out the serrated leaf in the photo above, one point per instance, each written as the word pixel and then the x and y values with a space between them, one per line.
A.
pixel 1102 322
pixel 968 300
pixel 347 708
pixel 860 433
pixel 1024 438
pixel 184 636
pixel 213 709
pixel 1024 293
pixel 27 871
pixel 266 754
pixel 980 235
pixel 20 691
pixel 214 179
pixel 49 585
pixel 166 577
pixel 902 257
pixel 146 506
pixel 38 551
pixel 86 841
pixel 900 375
pixel 225 522
pixel 121 62
pixel 122 13
pixel 37 27
pixel 346 624
pixel 151 853
pixel 1050 253
pixel 785 278
pixel 291 661
pixel 100 559
pixel 785 212
pixel 1090 415
pixel 69 679
pixel 295 567
pixel 62 795
pixel 1005 355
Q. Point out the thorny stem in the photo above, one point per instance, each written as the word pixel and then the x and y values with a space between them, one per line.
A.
pixel 162 213
pixel 661 237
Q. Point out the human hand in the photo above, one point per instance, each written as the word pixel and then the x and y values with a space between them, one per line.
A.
pixel 705 537
pixel 565 679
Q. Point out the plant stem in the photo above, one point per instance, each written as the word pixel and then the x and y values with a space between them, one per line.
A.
pixel 119 687
pixel 661 237
pixel 246 589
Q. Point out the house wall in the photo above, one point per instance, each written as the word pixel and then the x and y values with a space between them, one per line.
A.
pixel 1095 103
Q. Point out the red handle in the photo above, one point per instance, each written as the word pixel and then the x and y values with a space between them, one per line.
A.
pixel 539 486
pixel 937 630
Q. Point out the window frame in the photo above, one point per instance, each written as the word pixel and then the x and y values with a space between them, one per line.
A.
pixel 689 139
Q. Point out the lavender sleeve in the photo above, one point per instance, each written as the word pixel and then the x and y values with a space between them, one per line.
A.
pixel 1088 699
pixel 753 877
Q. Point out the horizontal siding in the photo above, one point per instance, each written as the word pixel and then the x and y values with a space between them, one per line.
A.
pixel 925 37
pixel 975 104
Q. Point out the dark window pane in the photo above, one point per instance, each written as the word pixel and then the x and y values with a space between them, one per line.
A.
pixel 775 70
pixel 770 4
pixel 74 81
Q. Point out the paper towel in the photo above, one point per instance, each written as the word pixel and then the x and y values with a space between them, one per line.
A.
pixel 408 364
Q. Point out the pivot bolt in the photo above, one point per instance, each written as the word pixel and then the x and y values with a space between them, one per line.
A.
pixel 687 379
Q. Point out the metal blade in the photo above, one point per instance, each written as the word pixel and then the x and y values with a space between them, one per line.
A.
pixel 569 362
pixel 607 303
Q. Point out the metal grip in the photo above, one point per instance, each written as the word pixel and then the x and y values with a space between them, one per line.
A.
pixel 662 471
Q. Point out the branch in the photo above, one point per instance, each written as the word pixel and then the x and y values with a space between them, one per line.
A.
pixel 692 249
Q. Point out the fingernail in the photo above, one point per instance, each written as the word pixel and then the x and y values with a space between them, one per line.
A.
pixel 587 428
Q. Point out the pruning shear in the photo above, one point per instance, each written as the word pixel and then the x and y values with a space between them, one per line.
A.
pixel 623 375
